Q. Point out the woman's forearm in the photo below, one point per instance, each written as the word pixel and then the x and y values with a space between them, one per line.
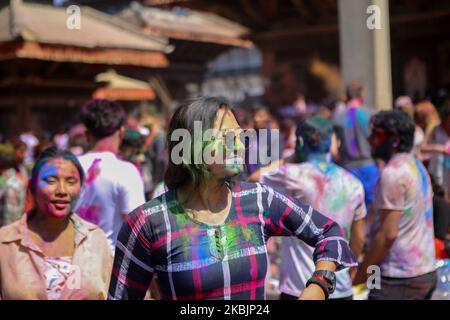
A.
pixel 314 291
pixel 326 265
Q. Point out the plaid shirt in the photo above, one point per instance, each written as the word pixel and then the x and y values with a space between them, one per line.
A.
pixel 193 260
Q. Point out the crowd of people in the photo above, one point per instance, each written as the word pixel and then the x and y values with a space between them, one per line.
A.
pixel 103 211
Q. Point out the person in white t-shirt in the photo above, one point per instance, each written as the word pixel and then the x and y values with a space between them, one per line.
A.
pixel 113 187
pixel 402 234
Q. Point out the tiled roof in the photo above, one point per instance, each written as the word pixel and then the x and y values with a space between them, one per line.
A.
pixel 186 24
pixel 47 25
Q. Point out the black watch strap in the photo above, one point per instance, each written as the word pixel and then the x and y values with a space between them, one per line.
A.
pixel 326 278
pixel 321 284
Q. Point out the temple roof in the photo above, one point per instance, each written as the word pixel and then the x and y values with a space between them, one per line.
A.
pixel 42 32
pixel 47 24
pixel 186 24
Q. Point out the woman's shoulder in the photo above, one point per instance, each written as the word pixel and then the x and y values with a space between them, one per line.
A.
pixel 81 222
pixel 156 206
pixel 250 189
pixel 243 186
pixel 11 232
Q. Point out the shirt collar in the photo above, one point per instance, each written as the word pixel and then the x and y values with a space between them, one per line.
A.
pixel 82 229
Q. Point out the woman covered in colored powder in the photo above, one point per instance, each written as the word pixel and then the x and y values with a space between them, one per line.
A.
pixel 51 253
pixel 205 238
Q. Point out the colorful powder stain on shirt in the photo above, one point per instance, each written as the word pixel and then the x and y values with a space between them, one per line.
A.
pixel 362 117
pixel 339 196
pixel 232 236
pixel 93 171
pixel 339 200
pixel 407 212
pixel 90 214
pixel 425 183
pixel 351 120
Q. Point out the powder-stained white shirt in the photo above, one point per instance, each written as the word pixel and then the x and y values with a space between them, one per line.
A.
pixel 112 188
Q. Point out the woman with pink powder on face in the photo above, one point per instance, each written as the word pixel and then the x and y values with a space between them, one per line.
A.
pixel 51 253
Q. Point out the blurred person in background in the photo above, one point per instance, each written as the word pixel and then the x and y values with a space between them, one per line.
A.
pixel 261 118
pixel 31 141
pixel 353 127
pixel 51 253
pixel 244 117
pixel 312 178
pixel 14 185
pixel 61 138
pixel 44 143
pixel 131 148
pixel 441 221
pixel 267 137
pixel 427 118
pixel 438 147
pixel 287 130
pixel 300 107
pixel 77 139
pixel 113 187
pixel 327 107
pixel 402 235
pixel 132 120
pixel 155 150
pixel 20 151
pixel 405 104
pixel 12 189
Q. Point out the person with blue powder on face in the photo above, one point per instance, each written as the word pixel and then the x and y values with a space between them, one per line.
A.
pixel 51 253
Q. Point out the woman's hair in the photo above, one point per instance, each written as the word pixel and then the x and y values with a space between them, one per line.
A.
pixel 396 124
pixel 426 116
pixel 200 109
pixel 48 155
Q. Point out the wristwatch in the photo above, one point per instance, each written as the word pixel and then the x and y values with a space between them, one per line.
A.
pixel 325 279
